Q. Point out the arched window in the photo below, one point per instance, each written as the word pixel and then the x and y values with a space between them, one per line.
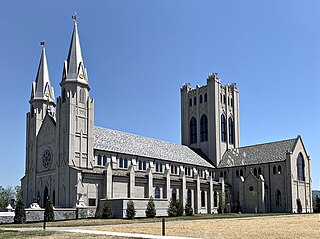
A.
pixel 255 172
pixel 231 102
pixel 157 192
pixel 215 199
pixel 174 194
pixel 140 165
pixel 203 199
pixel 223 129
pixel 121 163
pixel 241 172
pixel 144 165
pixel 221 174
pixel 259 171
pixel 300 167
pixel 125 163
pixel 231 131
pixel 104 160
pixel 81 98
pixel 279 169
pixel 193 130
pixel 64 96
pixel 278 198
pixel 194 100
pixel 99 160
pixel 200 99
pixel 190 102
pixel 203 128
pixel 274 170
pixel 237 173
pixel 205 97
pixel 221 97
pixel 189 196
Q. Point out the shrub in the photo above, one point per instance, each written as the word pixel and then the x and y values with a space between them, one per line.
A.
pixel 20 213
pixel 175 208
pixel 107 210
pixel 188 209
pixel 316 204
pixel 151 208
pixel 131 211
pixel 48 211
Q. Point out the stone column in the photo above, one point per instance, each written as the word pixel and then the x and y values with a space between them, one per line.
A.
pixel 108 179
pixel 223 193
pixel 261 194
pixel 150 181
pixel 183 191
pixel 210 201
pixel 167 174
pixel 132 181
pixel 197 205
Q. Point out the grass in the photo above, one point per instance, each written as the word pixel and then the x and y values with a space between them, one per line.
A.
pixel 97 222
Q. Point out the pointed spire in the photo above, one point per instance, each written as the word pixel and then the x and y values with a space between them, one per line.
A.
pixel 74 70
pixel 41 88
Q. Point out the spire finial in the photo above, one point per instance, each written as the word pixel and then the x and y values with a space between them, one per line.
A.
pixel 74 17
pixel 42 44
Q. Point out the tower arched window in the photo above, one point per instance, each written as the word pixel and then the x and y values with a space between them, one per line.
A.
pixel 203 198
pixel 157 192
pixel 300 167
pixel 64 95
pixel 231 131
pixel 203 128
pixel 190 102
pixel 279 170
pixel 193 130
pixel 32 111
pixel 205 97
pixel 194 100
pixel 278 198
pixel 201 99
pixel 82 95
pixel 223 128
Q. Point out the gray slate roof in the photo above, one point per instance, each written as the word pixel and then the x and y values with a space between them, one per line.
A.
pixel 125 143
pixel 257 154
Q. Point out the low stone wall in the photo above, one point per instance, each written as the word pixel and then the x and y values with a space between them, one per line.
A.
pixel 119 207
pixel 60 214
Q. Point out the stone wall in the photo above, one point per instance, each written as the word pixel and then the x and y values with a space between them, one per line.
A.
pixel 60 214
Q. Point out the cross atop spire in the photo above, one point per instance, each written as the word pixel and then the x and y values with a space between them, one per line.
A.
pixel 41 88
pixel 74 70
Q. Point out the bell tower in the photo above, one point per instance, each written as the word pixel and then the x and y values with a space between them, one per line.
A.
pixel 210 117
pixel 75 114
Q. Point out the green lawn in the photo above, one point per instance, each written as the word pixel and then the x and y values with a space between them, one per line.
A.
pixel 96 222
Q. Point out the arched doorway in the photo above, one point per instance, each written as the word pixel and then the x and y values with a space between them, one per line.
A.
pixel 45 196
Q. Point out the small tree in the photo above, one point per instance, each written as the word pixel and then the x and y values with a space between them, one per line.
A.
pixel 317 205
pixel 131 211
pixel 107 210
pixel 20 213
pixel 179 206
pixel 151 209
pixel 299 205
pixel 188 209
pixel 172 209
pixel 48 211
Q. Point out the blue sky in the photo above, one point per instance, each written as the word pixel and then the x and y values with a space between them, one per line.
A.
pixel 139 53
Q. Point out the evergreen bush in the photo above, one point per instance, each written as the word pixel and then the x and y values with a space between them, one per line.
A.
pixel 172 209
pixel 179 206
pixel 20 213
pixel 188 209
pixel 48 211
pixel 131 211
pixel 299 205
pixel 107 210
pixel 151 209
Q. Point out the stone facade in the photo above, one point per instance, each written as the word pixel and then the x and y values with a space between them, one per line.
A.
pixel 75 163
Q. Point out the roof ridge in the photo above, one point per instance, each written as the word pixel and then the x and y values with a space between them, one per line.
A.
pixel 147 137
pixel 278 141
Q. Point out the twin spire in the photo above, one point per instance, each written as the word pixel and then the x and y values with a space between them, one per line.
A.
pixel 73 71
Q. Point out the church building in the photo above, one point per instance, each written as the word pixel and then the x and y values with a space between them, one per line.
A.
pixel 77 164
